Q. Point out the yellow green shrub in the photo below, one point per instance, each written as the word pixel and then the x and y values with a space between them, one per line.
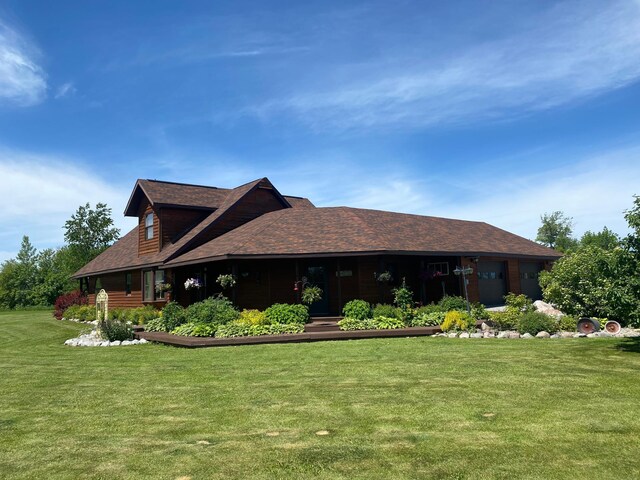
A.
pixel 457 320
pixel 252 317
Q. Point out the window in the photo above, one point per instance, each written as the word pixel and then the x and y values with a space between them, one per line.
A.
pixel 148 226
pixel 442 268
pixel 127 283
pixel 152 285
pixel 148 286
pixel 159 285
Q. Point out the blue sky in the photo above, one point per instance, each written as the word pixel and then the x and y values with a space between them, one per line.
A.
pixel 484 110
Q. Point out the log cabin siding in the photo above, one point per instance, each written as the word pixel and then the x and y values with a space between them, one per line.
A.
pixel 151 246
pixel 114 285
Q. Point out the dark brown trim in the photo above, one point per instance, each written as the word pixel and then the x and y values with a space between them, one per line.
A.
pixel 174 263
pixel 199 342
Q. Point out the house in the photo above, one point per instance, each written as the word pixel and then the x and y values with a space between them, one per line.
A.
pixel 271 243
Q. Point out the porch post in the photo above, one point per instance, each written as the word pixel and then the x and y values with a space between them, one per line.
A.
pixel 423 289
pixel 234 272
pixel 297 263
pixel 339 289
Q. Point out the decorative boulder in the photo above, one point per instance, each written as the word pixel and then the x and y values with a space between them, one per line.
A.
pixel 547 309
pixel 464 335
pixel 543 334
pixel 527 335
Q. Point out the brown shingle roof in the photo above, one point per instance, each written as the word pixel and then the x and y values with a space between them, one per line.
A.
pixel 186 195
pixel 124 253
pixel 306 230
pixel 343 230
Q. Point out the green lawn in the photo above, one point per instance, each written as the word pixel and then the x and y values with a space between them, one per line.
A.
pixel 394 408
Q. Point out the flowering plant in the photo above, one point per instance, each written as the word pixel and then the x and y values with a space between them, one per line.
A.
pixel 192 283
pixel 384 277
pixel 226 281
pixel 163 287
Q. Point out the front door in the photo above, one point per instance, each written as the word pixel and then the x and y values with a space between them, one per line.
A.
pixel 317 276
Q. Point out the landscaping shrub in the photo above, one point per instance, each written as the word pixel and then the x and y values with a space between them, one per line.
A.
pixel 136 316
pixel 516 307
pixel 236 330
pixel 63 302
pixel 518 303
pixel 403 296
pixel 387 323
pixel 251 317
pixel 430 308
pixel 142 315
pixel 535 322
pixel 195 330
pixel 449 303
pixel 71 312
pixel 286 313
pixel 457 320
pixel 505 320
pixel 218 310
pixel 156 325
pixel 84 313
pixel 174 315
pixel 357 324
pixel 114 330
pixel 378 323
pixel 358 309
pixel 384 310
pixel 567 323
pixel 428 319
pixel 479 312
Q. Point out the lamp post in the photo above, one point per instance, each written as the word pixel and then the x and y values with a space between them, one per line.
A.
pixel 464 272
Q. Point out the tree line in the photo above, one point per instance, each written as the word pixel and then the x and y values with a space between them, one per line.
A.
pixel 37 278
pixel 599 274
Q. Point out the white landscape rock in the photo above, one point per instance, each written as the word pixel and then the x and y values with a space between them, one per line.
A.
pixel 513 335
pixel 489 335
pixel 547 308
pixel 93 339
pixel 476 335
pixel 543 334
pixel 527 335
pixel 567 334
pixel 464 335
pixel 503 335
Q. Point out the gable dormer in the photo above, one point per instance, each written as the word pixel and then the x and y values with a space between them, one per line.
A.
pixel 176 217
pixel 148 230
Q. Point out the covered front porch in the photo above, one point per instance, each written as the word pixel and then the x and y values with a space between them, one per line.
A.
pixel 263 282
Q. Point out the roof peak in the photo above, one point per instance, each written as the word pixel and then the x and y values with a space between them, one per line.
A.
pixel 183 184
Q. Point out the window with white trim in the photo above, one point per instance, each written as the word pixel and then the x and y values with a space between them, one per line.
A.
pixel 148 226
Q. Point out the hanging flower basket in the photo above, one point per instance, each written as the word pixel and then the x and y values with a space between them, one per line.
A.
pixel 192 284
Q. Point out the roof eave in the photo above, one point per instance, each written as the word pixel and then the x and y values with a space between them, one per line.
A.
pixel 266 256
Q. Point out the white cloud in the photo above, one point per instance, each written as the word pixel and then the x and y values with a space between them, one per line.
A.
pixel 22 80
pixel 41 192
pixel 64 90
pixel 594 190
pixel 572 51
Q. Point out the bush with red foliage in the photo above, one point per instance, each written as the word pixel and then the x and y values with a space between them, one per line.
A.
pixel 68 299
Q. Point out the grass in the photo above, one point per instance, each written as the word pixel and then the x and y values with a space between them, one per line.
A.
pixel 394 408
